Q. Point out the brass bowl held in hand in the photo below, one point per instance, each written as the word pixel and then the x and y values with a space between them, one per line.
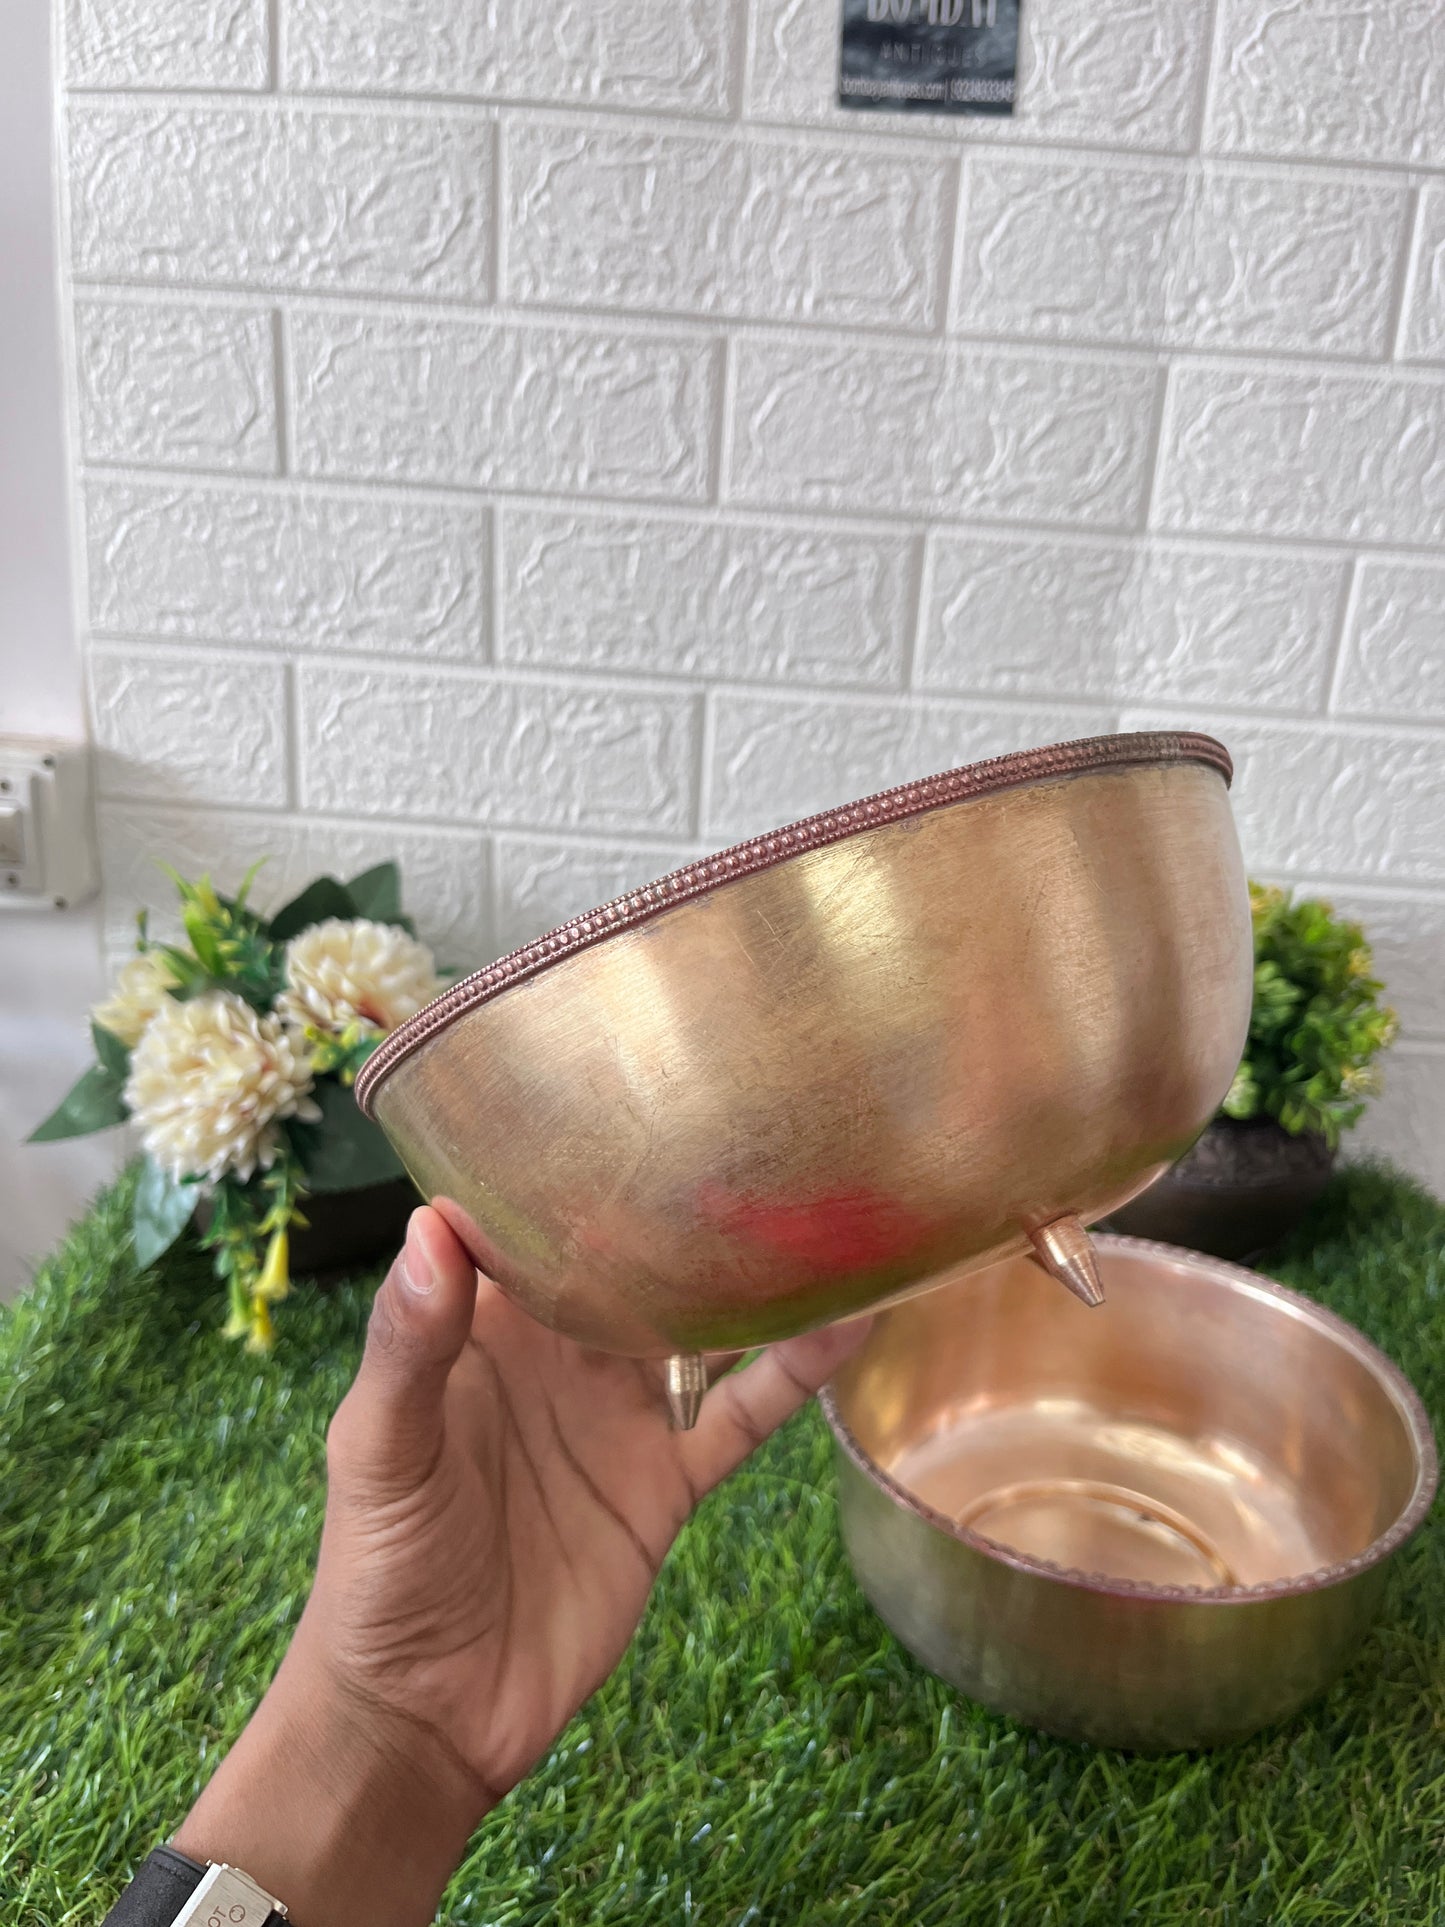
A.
pixel 811 1074
pixel 1161 1524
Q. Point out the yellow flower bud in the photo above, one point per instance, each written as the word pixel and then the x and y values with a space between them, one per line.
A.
pixel 275 1279
pixel 263 1333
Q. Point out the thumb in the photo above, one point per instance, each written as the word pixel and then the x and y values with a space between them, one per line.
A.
pixel 389 1425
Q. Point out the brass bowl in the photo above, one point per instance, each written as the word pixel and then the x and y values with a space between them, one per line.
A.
pixel 1161 1524
pixel 813 1073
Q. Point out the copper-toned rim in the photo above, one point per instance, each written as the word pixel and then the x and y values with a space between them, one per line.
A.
pixel 1389 1375
pixel 1091 754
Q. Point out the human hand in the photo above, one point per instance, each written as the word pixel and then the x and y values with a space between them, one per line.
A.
pixel 500 1501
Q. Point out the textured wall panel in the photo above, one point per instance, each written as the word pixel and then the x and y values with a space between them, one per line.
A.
pixel 670 54
pixel 1037 617
pixel 203 729
pixel 1407 1122
pixel 1424 331
pixel 707 225
pixel 912 429
pixel 281 198
pixel 1080 251
pixel 1354 456
pixel 544 754
pixel 690 598
pixel 166 43
pixel 176 387
pixel 503 406
pixel 1394 655
pixel 1352 80
pixel 315 570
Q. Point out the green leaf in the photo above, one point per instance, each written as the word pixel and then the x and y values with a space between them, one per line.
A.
pixel 162 1211
pixel 189 972
pixel 113 1054
pixel 345 1151
pixel 377 893
pixel 204 939
pixel 93 1103
pixel 192 979
pixel 319 900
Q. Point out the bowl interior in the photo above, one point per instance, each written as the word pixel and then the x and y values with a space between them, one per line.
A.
pixel 1201 1429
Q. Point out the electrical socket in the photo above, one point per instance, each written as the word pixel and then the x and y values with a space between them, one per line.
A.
pixel 47 843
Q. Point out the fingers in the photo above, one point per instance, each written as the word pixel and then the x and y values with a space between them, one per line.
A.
pixel 720 1363
pixel 747 1407
pixel 389 1424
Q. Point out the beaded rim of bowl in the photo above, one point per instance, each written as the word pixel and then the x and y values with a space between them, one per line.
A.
pixel 1089 755
pixel 1386 1372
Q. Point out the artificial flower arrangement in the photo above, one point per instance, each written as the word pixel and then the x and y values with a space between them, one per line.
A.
pixel 1318 1019
pixel 233 1054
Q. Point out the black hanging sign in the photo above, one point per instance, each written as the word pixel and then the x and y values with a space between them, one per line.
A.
pixel 929 56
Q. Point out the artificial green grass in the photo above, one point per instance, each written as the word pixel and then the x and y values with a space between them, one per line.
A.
pixel 767 1753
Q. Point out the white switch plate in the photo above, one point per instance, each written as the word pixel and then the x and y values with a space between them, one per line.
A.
pixel 47 844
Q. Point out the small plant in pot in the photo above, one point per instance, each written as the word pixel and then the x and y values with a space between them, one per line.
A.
pixel 1308 1070
pixel 232 1052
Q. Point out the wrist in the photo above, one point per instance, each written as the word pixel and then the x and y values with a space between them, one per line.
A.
pixel 344 1811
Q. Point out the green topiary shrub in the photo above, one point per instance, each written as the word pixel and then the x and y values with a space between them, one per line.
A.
pixel 1317 1022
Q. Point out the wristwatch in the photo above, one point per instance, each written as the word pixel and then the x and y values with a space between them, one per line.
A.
pixel 172 1890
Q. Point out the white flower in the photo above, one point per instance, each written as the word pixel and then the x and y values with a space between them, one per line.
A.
pixel 141 990
pixel 209 1081
pixel 343 973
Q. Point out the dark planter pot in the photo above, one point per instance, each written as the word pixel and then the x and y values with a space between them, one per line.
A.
pixel 1238 1191
pixel 349 1231
pixel 345 1231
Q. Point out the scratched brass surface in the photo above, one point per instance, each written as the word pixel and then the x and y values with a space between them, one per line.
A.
pixel 1200 1435
pixel 822 1085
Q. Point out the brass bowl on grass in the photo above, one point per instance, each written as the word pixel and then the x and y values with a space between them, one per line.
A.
pixel 814 1073
pixel 1161 1524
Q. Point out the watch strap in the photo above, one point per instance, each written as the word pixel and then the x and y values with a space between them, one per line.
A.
pixel 165 1881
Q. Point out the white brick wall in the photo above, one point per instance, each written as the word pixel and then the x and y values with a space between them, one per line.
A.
pixel 297 571
pixel 1072 250
pixel 547 443
pixel 1393 661
pixel 745 601
pixel 674 56
pixel 1027 615
pixel 598 218
pixel 503 405
pixel 262 196
pixel 1346 80
pixel 1424 326
pixel 167 43
pixel 526 753
pixel 1255 450
pixel 170 386
pixel 211 729
pixel 895 429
